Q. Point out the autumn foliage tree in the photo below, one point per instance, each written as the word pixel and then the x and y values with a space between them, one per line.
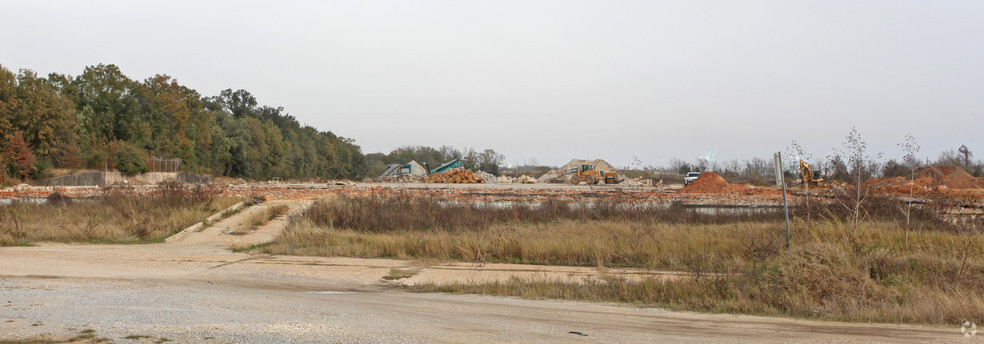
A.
pixel 20 159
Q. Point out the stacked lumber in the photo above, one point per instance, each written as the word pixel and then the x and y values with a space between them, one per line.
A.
pixel 456 176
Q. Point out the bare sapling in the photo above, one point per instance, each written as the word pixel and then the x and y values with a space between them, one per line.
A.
pixel 910 147
pixel 859 162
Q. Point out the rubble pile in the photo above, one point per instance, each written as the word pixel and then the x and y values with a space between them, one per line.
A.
pixel 491 178
pixel 455 176
pixel 406 178
pixel 638 181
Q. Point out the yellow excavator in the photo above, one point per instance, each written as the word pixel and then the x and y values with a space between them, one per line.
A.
pixel 589 175
pixel 807 174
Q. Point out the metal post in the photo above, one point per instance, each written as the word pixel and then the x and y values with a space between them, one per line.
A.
pixel 778 169
pixel 785 204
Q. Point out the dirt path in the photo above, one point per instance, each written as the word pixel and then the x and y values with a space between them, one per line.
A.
pixel 218 234
pixel 196 290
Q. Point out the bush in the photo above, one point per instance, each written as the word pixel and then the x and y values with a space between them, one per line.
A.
pixel 130 160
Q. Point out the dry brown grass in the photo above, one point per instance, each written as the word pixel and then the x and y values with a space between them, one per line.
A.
pixel 565 242
pixel 933 282
pixel 259 218
pixel 114 217
pixel 738 262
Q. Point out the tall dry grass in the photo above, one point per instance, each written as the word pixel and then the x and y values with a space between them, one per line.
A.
pixel 737 260
pixel 114 217
pixel 260 217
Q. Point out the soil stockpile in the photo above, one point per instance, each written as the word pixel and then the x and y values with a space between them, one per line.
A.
pixel 960 179
pixel 901 185
pixel 455 176
pixel 712 183
pixel 561 173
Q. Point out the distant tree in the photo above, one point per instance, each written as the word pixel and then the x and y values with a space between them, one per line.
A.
pixel 489 161
pixel 239 103
pixel 45 118
pixel 949 158
pixel 893 168
pixel 8 99
pixel 680 166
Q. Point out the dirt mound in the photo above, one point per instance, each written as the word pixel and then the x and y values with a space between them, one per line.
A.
pixel 712 183
pixel 960 179
pixel 561 173
pixel 951 177
pixel 456 176
pixel 903 185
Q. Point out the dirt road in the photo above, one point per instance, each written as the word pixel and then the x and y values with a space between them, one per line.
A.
pixel 196 290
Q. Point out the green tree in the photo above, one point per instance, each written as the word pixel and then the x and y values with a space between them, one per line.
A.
pixel 45 118
pixel 130 160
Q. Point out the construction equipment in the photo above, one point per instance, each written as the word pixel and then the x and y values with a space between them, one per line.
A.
pixel 456 163
pixel 396 170
pixel 589 175
pixel 809 178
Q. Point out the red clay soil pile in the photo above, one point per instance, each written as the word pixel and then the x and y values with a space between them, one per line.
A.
pixel 712 183
pixel 957 178
pixel 901 185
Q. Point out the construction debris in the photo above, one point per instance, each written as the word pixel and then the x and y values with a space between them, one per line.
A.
pixel 525 179
pixel 455 176
pixel 488 177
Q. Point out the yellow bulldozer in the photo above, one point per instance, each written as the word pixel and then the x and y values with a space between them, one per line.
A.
pixel 809 178
pixel 589 175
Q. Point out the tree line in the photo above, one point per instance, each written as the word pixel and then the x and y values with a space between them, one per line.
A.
pixel 850 161
pixel 102 119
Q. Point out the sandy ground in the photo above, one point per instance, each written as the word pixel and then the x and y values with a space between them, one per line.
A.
pixel 196 290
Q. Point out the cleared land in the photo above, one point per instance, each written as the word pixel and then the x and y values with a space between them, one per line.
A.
pixel 197 290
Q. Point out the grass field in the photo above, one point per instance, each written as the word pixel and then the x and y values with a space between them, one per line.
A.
pixel 114 217
pixel 871 272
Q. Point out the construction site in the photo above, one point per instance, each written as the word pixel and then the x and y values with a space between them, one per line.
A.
pixel 582 233
pixel 949 190
pixel 598 228
pixel 491 172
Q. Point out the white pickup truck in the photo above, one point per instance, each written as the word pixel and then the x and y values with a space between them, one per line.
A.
pixel 690 177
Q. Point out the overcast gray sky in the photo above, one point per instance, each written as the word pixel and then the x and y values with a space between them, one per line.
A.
pixel 552 80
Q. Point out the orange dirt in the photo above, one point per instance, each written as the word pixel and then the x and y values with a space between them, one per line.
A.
pixel 712 183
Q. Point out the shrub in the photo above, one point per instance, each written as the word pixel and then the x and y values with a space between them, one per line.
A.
pixel 130 160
